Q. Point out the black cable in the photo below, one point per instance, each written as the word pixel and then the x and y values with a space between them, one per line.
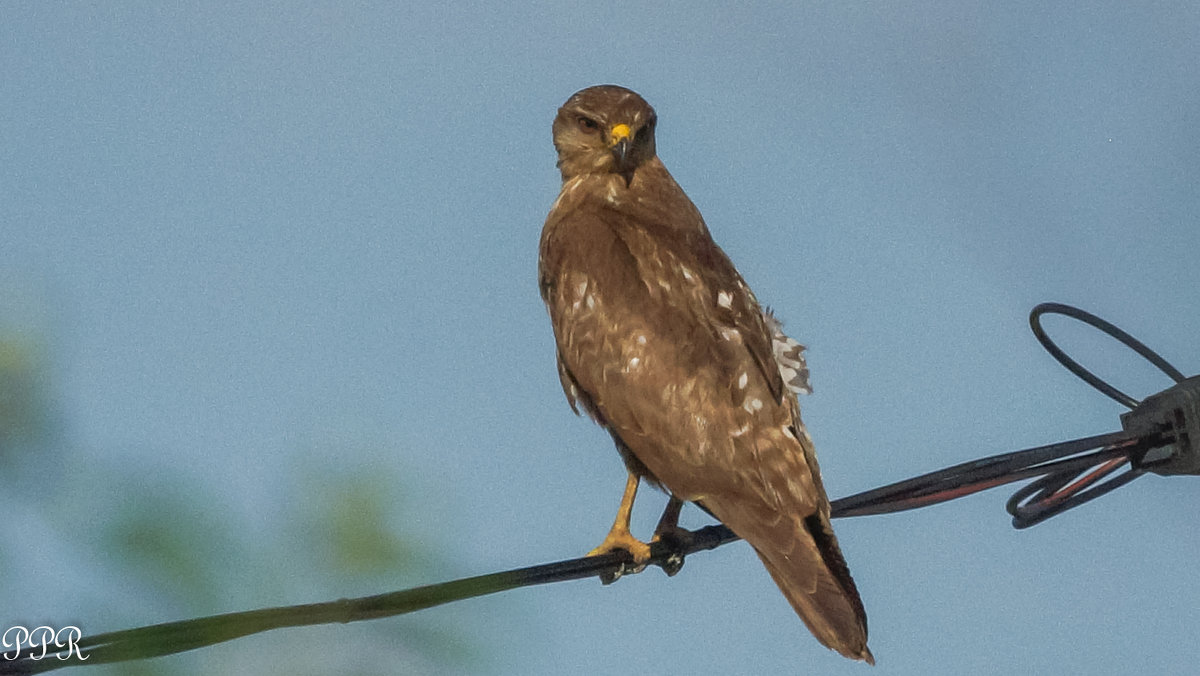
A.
pixel 1035 323
pixel 1162 430
pixel 970 477
pixel 1051 494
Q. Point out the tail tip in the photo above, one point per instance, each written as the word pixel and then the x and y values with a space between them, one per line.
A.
pixel 860 654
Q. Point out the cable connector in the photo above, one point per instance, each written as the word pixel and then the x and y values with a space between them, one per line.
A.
pixel 1173 413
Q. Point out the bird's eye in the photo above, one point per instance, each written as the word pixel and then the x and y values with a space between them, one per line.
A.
pixel 587 123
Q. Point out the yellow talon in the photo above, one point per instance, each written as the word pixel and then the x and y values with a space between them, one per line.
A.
pixel 620 537
pixel 617 539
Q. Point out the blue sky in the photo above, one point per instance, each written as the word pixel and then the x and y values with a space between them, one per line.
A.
pixel 258 238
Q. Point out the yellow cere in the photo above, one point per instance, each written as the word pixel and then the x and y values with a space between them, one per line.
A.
pixel 620 131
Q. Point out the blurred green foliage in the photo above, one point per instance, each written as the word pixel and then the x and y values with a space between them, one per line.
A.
pixel 352 510
pixel 161 546
pixel 24 409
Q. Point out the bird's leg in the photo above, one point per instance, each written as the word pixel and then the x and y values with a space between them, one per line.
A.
pixel 620 537
pixel 670 517
pixel 669 533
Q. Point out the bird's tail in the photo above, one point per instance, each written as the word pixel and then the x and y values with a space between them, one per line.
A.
pixel 803 557
pixel 822 592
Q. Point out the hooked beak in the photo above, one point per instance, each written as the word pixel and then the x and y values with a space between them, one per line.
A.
pixel 619 140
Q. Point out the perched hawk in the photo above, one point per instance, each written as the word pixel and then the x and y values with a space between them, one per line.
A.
pixel 663 344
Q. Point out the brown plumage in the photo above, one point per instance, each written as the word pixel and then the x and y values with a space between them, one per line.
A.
pixel 661 341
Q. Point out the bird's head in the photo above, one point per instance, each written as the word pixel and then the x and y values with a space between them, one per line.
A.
pixel 604 130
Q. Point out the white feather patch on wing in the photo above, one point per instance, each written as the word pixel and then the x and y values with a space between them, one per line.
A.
pixel 789 356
